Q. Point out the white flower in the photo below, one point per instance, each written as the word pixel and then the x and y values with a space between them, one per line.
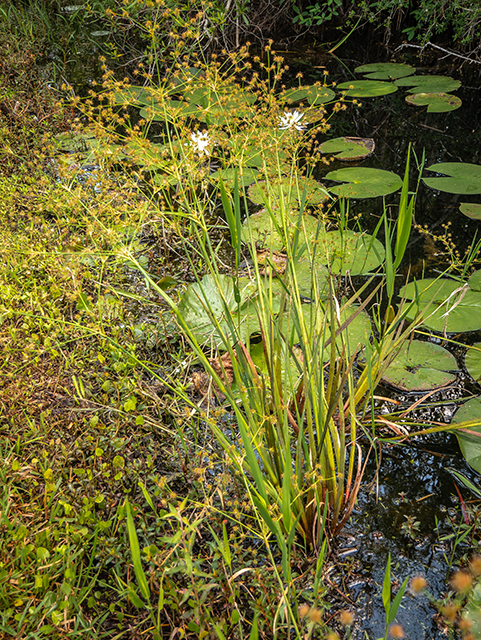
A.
pixel 292 119
pixel 201 142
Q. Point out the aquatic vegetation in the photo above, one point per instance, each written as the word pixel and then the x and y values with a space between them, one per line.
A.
pixel 464 178
pixel 448 306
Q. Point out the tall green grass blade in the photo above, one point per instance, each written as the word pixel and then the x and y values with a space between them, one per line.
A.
pixel 135 551
pixel 397 601
pixel 405 216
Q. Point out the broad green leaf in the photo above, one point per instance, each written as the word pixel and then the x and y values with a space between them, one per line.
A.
pixel 385 70
pixel 211 302
pixel 248 176
pixel 314 94
pixel 292 191
pixel 470 438
pixel 132 95
pixel 464 178
pixel 475 281
pixel 350 340
pixel 262 229
pixel 366 88
pixel 345 251
pixel 429 84
pixel 471 210
pixel 348 148
pixel 447 305
pixel 435 102
pixel 363 182
pixel 472 361
pixel 421 366
pixel 168 110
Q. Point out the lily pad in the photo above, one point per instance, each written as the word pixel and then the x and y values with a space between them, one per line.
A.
pixel 429 84
pixel 472 361
pixel 363 182
pixel 132 95
pixel 421 366
pixel 475 281
pixel 435 102
pixel 471 210
pixel 447 305
pixel 344 251
pixel 261 229
pixel 385 70
pixel 348 148
pixel 352 338
pixel 464 178
pixel 470 439
pixel 169 109
pixel 211 298
pixel 290 191
pixel 367 88
pixel 314 94
pixel 247 177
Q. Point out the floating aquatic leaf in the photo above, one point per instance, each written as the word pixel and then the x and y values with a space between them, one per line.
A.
pixel 429 84
pixel 357 330
pixel 421 366
pixel 470 438
pixel 367 88
pixel 385 70
pixel 215 298
pixel 348 148
pixel 314 94
pixel 262 230
pixel 471 210
pixel 472 361
pixel 447 305
pixel 464 178
pixel 169 109
pixel 132 95
pixel 344 251
pixel 435 102
pixel 244 178
pixel 475 281
pixel 291 191
pixel 363 182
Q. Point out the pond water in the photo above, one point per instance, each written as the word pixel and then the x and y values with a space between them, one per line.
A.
pixel 409 504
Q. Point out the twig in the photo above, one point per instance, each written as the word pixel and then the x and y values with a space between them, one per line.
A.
pixel 435 46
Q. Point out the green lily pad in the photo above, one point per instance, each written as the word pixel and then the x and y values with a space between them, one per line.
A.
pixel 344 251
pixel 247 177
pixel 169 109
pixel 470 438
pixel 348 148
pixel 464 178
pixel 314 94
pixel 472 361
pixel 363 182
pixel 385 70
pixel 367 88
pixel 429 84
pixel 290 191
pixel 475 281
pixel 261 229
pixel 209 299
pixel 471 210
pixel 421 366
pixel 132 95
pixel 351 339
pixel 447 305
pixel 435 102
